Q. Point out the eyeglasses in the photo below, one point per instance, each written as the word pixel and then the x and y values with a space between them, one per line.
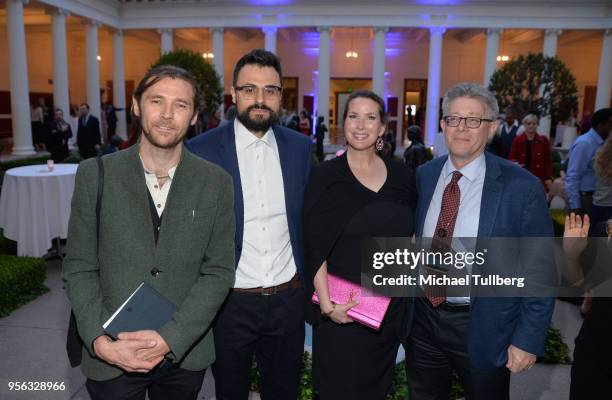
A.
pixel 470 122
pixel 269 91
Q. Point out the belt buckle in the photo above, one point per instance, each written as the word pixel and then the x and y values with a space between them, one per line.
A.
pixel 269 291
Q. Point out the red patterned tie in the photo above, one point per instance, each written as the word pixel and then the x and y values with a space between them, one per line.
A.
pixel 443 234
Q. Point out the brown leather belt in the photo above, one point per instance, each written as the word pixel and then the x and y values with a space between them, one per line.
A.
pixel 294 283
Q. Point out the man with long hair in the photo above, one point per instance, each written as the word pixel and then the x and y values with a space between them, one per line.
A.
pixel 165 218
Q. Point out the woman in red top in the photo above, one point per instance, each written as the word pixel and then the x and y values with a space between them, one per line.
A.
pixel 304 123
pixel 532 151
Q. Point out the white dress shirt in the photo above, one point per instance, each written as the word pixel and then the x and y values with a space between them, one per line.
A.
pixel 267 257
pixel 468 217
pixel 159 194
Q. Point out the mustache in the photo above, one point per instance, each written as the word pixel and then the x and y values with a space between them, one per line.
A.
pixel 258 107
pixel 164 125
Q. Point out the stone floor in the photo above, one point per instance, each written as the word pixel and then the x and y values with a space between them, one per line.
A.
pixel 32 348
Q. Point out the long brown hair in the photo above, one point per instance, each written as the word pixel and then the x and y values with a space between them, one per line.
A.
pixel 603 161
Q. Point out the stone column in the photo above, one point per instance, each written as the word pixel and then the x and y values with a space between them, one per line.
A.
pixel 324 73
pixel 270 38
pixel 433 83
pixel 550 50
pixel 218 50
pixel 93 68
pixel 166 40
pixel 378 68
pixel 604 81
pixel 18 68
pixel 491 53
pixel 61 97
pixel 119 84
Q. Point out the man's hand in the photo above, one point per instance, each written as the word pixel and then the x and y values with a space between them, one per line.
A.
pixel 160 349
pixel 122 353
pixel 519 360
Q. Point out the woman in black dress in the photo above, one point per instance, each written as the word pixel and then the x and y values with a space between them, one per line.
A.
pixel 355 195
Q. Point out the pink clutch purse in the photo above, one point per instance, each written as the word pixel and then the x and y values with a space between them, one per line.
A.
pixel 371 308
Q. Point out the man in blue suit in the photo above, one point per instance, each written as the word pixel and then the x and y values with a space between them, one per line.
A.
pixel 472 193
pixel 270 165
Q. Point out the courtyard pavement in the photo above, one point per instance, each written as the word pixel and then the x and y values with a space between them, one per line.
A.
pixel 32 348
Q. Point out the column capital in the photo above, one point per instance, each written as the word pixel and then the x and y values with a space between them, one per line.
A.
pixel 162 31
pixel 437 30
pixel 24 2
pixel 269 29
pixel 57 11
pixel 323 29
pixel 608 32
pixel 117 32
pixel 556 32
pixel 217 29
pixel 383 29
pixel 491 31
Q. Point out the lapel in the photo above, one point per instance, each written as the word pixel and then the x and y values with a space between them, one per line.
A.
pixel 491 196
pixel 429 179
pixel 229 161
pixel 284 154
pixel 135 185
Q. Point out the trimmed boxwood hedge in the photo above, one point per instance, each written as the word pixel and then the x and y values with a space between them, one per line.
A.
pixel 24 161
pixel 21 280
pixel 7 246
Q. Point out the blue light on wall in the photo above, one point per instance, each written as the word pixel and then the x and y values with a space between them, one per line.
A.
pixel 270 2
pixel 440 2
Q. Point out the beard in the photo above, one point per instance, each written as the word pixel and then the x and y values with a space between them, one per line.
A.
pixel 258 124
pixel 172 143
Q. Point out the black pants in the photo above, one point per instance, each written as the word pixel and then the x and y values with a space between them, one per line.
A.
pixel 168 381
pixel 436 347
pixel 269 327
pixel 591 369
pixel 320 154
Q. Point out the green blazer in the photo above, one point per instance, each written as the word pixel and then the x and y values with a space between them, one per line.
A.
pixel 195 252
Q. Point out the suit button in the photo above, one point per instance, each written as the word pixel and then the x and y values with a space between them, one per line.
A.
pixel 155 271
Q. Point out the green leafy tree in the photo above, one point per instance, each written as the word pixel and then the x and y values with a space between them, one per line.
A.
pixel 211 88
pixel 536 83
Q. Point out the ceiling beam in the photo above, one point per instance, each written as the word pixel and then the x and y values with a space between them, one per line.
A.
pixel 524 36
pixel 468 35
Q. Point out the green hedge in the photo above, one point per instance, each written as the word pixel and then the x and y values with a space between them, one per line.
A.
pixel 7 246
pixel 555 349
pixel 23 162
pixel 21 280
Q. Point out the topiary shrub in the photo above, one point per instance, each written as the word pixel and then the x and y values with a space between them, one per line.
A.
pixel 211 87
pixel 519 82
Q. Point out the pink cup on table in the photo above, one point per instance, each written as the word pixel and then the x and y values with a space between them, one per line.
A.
pixel 50 165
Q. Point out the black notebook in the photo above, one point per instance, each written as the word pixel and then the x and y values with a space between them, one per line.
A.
pixel 146 308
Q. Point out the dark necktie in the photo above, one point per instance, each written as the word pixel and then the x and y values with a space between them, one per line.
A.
pixel 443 234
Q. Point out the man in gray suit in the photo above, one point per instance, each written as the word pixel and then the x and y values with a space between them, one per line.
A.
pixel 166 218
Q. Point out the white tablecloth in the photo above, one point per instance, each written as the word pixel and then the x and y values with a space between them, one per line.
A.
pixel 35 206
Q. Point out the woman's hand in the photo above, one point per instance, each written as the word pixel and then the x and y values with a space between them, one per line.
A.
pixel 575 234
pixel 338 312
